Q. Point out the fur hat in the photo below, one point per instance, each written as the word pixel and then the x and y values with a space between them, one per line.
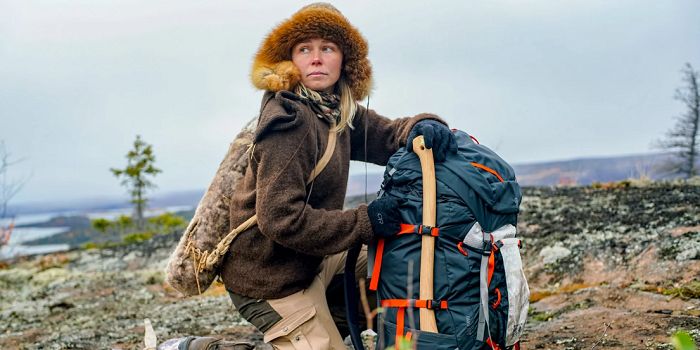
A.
pixel 273 69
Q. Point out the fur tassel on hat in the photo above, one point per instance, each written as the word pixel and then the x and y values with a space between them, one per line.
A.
pixel 273 69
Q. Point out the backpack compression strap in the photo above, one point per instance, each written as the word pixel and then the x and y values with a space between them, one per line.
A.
pixel 403 304
pixel 405 229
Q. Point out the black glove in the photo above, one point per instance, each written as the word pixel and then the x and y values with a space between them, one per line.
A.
pixel 436 135
pixel 385 216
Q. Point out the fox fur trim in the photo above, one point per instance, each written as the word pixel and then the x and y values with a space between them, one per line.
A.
pixel 273 69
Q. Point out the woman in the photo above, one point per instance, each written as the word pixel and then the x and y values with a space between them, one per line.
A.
pixel 313 67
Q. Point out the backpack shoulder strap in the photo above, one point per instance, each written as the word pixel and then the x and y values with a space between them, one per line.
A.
pixel 213 258
pixel 330 148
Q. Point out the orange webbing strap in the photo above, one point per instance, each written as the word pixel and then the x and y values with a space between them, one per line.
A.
pixel 400 315
pixel 404 229
pixel 493 346
pixel 407 228
pixel 434 231
pixel 374 282
pixel 498 299
pixel 485 168
pixel 460 247
pixel 492 266
pixel 492 260
pixel 402 304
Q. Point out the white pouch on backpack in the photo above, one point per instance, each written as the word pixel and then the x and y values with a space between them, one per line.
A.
pixel 518 290
pixel 516 284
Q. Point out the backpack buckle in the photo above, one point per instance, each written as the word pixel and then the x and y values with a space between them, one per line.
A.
pixel 436 304
pixel 428 230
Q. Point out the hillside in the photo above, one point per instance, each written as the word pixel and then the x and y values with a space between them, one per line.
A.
pixel 582 171
pixel 615 267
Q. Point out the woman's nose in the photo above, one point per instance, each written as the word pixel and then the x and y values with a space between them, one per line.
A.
pixel 316 58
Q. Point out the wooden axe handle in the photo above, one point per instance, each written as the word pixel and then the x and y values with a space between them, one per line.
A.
pixel 427 252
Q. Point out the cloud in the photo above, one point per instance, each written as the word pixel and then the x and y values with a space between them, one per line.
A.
pixel 537 79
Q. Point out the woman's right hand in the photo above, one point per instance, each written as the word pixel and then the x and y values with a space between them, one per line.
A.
pixel 437 136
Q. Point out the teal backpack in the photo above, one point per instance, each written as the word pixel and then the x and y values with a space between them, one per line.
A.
pixel 480 292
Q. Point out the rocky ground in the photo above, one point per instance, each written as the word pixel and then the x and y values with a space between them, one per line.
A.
pixel 612 267
pixel 609 267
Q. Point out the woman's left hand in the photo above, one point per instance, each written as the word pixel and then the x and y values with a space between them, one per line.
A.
pixel 385 215
pixel 436 135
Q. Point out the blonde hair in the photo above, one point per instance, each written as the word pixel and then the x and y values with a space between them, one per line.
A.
pixel 348 106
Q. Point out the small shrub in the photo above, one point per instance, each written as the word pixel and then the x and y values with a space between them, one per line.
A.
pixel 101 224
pixel 90 246
pixel 124 222
pixel 137 237
pixel 124 226
pixel 167 223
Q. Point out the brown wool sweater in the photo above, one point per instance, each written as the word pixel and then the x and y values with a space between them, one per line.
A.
pixel 282 254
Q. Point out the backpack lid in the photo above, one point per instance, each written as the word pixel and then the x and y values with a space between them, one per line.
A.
pixel 474 167
pixel 474 164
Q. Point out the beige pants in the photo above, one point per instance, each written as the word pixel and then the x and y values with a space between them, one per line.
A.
pixel 306 320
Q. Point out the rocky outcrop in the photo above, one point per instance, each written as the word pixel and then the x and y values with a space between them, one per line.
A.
pixel 609 267
pixel 615 266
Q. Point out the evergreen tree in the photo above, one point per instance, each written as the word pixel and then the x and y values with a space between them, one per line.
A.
pixel 140 166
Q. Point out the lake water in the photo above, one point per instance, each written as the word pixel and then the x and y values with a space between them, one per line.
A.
pixel 25 234
pixel 9 251
pixel 34 218
pixel 113 214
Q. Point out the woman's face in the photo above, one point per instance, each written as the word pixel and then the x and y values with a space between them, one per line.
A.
pixel 320 62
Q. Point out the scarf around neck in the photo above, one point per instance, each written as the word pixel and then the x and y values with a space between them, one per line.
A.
pixel 325 105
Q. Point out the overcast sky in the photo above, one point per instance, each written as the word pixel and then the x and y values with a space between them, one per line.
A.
pixel 535 80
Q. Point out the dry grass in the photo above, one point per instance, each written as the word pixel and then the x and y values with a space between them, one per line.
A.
pixel 536 296
pixel 52 260
pixel 689 290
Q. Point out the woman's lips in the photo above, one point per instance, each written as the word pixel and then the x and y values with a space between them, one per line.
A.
pixel 316 73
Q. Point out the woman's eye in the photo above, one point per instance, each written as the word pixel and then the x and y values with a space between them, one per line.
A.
pixel 303 49
pixel 328 49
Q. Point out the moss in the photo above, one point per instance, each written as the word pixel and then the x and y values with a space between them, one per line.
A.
pixel 537 295
pixel 104 245
pixel 689 290
pixel 585 304
pixel 542 316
